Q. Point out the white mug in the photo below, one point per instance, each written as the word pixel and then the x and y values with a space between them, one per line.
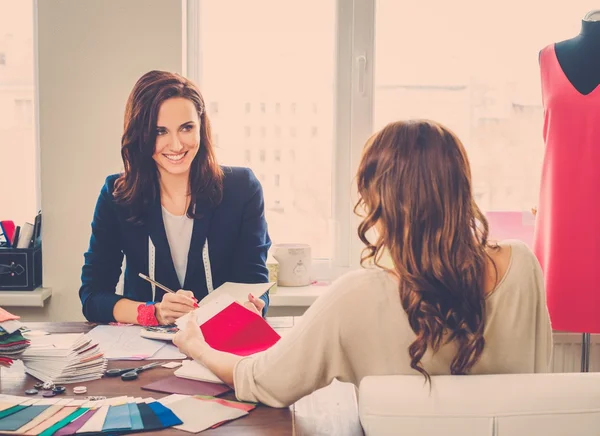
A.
pixel 294 264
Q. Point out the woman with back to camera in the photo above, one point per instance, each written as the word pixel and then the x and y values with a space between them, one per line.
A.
pixel 453 303
pixel 175 214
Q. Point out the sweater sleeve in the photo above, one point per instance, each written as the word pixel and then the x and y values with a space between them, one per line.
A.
pixel 305 359
pixel 102 262
pixel 543 341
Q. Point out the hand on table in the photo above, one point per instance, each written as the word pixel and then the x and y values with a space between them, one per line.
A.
pixel 174 306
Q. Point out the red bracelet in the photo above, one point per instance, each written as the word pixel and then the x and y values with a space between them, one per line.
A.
pixel 147 315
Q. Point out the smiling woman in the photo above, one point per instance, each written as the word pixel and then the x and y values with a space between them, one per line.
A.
pixel 161 213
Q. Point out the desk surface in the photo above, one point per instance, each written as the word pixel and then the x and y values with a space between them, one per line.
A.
pixel 330 411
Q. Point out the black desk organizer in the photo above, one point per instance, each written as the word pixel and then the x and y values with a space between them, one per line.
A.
pixel 20 268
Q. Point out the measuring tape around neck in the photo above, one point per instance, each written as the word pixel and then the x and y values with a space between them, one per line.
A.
pixel 205 261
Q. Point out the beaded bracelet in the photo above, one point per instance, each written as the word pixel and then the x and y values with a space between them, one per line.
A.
pixel 147 314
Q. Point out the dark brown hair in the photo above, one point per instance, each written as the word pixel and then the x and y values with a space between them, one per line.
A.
pixel 414 184
pixel 138 186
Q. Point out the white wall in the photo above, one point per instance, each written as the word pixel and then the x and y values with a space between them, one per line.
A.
pixel 91 52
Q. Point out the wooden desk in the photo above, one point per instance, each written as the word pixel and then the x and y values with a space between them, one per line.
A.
pixel 330 411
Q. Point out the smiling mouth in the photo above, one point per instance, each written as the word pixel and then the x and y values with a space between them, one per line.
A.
pixel 175 157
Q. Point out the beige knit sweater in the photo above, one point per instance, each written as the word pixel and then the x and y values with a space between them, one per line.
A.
pixel 359 328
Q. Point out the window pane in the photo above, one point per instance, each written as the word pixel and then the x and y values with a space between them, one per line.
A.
pixel 17 140
pixel 272 77
pixel 474 67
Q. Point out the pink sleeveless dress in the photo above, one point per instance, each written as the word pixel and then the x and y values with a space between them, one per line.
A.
pixel 567 229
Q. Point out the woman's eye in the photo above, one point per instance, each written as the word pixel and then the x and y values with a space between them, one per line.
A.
pixel 187 128
pixel 160 132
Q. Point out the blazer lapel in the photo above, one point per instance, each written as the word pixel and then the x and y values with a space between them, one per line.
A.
pixel 195 264
pixel 165 270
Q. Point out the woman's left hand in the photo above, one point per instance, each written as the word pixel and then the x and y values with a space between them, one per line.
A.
pixel 254 304
pixel 190 340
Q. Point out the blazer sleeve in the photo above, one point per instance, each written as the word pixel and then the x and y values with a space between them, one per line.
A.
pixel 102 262
pixel 250 258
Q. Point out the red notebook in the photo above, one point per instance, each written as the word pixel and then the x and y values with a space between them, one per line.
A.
pixel 239 331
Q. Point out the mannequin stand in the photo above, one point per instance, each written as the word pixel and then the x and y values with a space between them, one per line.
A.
pixel 585 352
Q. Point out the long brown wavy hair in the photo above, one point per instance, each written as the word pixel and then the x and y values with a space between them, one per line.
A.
pixel 414 184
pixel 138 186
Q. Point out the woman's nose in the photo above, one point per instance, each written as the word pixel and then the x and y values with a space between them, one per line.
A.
pixel 176 144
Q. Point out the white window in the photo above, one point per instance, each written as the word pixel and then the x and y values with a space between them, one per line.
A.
pixel 19 200
pixel 270 85
pixel 478 76
pixel 466 64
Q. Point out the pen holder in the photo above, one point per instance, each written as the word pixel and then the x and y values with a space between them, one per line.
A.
pixel 20 269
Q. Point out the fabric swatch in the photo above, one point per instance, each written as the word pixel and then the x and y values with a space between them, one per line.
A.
pixel 7 316
pixel 235 404
pixel 7 405
pixel 149 418
pixel 166 416
pixel 64 422
pixel 199 415
pixel 117 418
pixel 17 420
pixel 96 422
pixel 178 385
pixel 75 425
pixel 11 410
pixel 136 418
pixel 57 417
pixel 46 414
pixel 238 330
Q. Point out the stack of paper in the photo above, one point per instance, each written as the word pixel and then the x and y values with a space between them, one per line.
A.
pixel 64 358
pixel 62 417
pixel 12 342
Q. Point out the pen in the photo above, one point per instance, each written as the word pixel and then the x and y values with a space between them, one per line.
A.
pixel 163 287
pixel 155 283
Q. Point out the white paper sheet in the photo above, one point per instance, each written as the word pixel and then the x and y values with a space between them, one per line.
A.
pixel 124 342
pixel 192 370
pixel 168 352
pixel 207 311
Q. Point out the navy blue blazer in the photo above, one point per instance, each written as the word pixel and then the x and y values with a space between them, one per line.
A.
pixel 238 242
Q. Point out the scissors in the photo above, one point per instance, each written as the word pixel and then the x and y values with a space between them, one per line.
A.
pixel 129 374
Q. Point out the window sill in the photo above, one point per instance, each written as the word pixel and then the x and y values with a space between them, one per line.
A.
pixel 36 298
pixel 301 296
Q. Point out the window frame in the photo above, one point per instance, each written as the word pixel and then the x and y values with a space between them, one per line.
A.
pixel 353 118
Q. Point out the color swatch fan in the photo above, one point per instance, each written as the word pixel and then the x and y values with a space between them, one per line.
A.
pixel 12 342
pixel 64 358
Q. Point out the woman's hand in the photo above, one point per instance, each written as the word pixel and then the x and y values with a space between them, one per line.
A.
pixel 190 340
pixel 174 306
pixel 255 305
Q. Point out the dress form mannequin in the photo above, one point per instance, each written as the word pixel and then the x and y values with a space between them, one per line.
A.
pixel 567 235
pixel 579 57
